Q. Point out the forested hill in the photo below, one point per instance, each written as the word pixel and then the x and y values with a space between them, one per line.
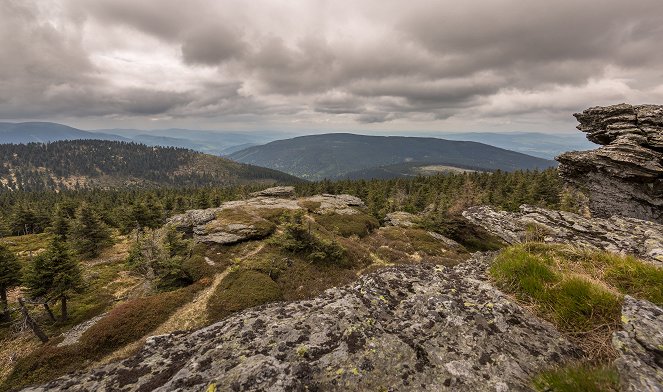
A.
pixel 336 155
pixel 79 164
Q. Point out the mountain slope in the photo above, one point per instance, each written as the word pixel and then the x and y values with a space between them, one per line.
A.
pixel 334 155
pixel 97 163
pixel 44 132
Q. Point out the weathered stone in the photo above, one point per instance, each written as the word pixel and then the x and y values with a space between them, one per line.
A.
pixel 640 346
pixel 277 191
pixel 191 218
pixel 625 176
pixel 337 204
pixel 210 226
pixel 400 219
pixel 406 328
pixel 622 235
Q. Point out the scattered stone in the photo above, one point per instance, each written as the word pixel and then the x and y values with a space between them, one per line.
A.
pixel 616 234
pixel 640 346
pixel 74 334
pixel 277 191
pixel 625 176
pixel 406 328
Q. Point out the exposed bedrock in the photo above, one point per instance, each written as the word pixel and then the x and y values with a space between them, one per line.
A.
pixel 640 238
pixel 406 328
pixel 625 176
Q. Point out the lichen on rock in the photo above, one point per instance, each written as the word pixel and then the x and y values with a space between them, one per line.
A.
pixel 640 346
pixel 404 328
pixel 616 234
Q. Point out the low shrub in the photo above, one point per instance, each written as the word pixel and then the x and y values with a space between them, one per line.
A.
pixel 134 319
pixel 309 205
pixel 240 290
pixel 348 225
pixel 578 377
pixel 299 238
pixel 124 324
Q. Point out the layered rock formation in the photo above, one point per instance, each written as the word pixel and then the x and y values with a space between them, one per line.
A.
pixel 624 176
pixel 616 234
pixel 407 328
pixel 242 220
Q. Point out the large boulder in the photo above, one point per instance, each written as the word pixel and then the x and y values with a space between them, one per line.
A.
pixel 407 328
pixel 640 346
pixel 643 239
pixel 625 176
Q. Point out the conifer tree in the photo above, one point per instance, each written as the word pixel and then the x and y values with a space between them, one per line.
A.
pixel 89 234
pixel 10 276
pixel 54 276
pixel 60 224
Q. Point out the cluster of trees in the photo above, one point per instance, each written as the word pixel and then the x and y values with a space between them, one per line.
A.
pixel 127 209
pixel 449 193
pixel 54 275
pixel 159 256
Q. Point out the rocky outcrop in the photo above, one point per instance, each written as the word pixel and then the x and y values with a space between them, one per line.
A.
pixel 406 328
pixel 622 235
pixel 625 176
pixel 243 220
pixel 277 191
pixel 400 219
pixel 640 346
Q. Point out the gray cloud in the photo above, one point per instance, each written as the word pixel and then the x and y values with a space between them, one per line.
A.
pixel 374 62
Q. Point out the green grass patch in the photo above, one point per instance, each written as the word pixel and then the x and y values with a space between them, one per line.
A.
pixel 576 378
pixel 579 290
pixel 574 302
pixel 22 245
pixel 240 290
pixel 348 225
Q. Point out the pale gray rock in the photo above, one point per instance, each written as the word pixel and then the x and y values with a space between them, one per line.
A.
pixel 640 346
pixel 640 238
pixel 277 191
pixel 625 176
pixel 407 328
pixel 337 204
pixel 74 334
pixel 400 219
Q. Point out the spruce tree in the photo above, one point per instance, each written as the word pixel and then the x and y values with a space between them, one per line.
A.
pixel 10 276
pixel 60 224
pixel 89 234
pixel 54 276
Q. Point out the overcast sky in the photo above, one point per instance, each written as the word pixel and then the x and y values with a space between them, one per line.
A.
pixel 315 65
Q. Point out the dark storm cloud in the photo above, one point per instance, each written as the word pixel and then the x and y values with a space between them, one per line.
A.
pixel 373 61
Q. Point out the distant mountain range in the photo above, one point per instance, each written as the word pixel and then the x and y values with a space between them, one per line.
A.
pixel 338 155
pixel 75 164
pixel 543 145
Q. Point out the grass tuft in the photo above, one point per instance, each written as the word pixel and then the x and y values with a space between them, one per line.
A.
pixel 575 378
